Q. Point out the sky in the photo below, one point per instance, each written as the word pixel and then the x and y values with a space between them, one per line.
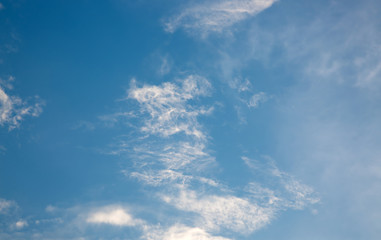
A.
pixel 190 120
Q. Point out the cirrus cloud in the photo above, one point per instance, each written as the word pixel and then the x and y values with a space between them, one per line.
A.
pixel 215 16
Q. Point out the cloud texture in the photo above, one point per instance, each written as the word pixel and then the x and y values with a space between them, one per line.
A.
pixel 215 16
pixel 13 109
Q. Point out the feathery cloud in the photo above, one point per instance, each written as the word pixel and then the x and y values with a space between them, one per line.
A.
pixel 215 16
pixel 181 147
pixel 226 211
pixel 172 160
pixel 13 109
pixel 169 153
pixel 287 192
pixel 166 105
pixel 181 232
pixel 256 99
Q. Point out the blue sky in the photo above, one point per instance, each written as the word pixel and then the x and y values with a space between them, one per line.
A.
pixel 190 120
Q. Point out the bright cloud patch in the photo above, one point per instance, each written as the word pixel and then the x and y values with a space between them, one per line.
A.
pixel 116 216
pixel 214 16
pixel 180 232
pixel 167 106
pixel 229 212
pixel 21 224
pixel 13 109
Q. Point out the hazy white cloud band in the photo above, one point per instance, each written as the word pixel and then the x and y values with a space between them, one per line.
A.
pixel 215 16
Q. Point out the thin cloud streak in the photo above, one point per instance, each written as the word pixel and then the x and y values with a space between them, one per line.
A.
pixel 181 232
pixel 215 16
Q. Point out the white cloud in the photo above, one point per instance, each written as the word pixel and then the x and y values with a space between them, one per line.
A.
pixel 168 109
pixel 169 114
pixel 257 99
pixel 227 211
pixel 181 232
pixel 13 109
pixel 181 147
pixel 172 152
pixel 169 152
pixel 169 177
pixel 183 154
pixel 113 215
pixel 187 155
pixel 215 16
pixel 21 224
pixel 160 177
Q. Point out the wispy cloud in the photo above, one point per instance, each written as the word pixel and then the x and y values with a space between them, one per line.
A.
pixel 166 105
pixel 259 203
pixel 172 155
pixel 6 205
pixel 222 211
pixel 10 217
pixel 169 153
pixel 242 85
pixel 215 16
pixel 243 88
pixel 173 149
pixel 284 192
pixel 77 222
pixel 257 99
pixel 13 109
pixel 180 232
pixel 165 66
pixel 248 98
pixel 172 145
